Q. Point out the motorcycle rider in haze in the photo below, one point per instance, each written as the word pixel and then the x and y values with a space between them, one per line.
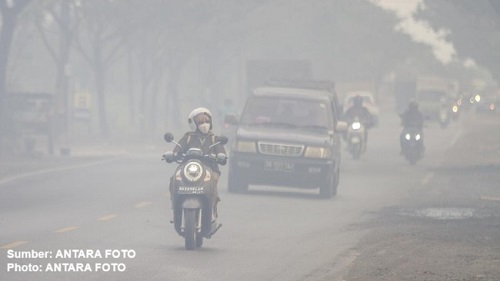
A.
pixel 202 137
pixel 412 118
pixel 358 110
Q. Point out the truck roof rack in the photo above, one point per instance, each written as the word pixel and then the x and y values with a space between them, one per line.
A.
pixel 304 84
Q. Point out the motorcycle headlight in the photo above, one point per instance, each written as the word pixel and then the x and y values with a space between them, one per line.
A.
pixel 317 152
pixel 245 146
pixel 193 171
pixel 407 136
pixel 356 125
pixel 417 136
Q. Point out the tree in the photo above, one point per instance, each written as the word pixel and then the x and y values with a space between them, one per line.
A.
pixel 99 47
pixel 57 18
pixel 9 11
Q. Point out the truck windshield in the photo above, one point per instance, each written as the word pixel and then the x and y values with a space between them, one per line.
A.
pixel 286 112
pixel 430 95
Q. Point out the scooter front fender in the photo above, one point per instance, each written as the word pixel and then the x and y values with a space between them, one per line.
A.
pixel 192 203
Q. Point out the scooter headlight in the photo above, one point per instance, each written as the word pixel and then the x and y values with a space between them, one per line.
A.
pixel 407 136
pixel 417 136
pixel 193 171
pixel 356 125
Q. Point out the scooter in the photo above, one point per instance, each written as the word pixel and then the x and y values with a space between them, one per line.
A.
pixel 356 138
pixel 412 144
pixel 444 118
pixel 194 217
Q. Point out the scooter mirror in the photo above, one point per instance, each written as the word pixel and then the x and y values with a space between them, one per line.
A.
pixel 223 140
pixel 168 137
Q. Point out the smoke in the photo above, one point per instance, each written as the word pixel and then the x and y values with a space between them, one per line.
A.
pixel 419 30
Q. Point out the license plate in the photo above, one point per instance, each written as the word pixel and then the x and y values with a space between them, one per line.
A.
pixel 190 189
pixel 283 166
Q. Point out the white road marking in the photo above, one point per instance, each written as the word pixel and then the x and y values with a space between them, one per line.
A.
pixel 41 172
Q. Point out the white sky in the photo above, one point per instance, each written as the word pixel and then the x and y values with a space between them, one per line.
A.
pixel 419 30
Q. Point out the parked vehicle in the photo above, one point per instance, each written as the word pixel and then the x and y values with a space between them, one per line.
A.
pixel 193 198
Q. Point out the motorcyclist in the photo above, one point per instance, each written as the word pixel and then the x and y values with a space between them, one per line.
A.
pixel 202 137
pixel 358 110
pixel 412 118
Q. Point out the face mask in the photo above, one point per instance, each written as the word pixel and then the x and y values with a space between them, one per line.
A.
pixel 204 128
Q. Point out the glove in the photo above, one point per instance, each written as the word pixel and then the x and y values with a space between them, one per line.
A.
pixel 168 156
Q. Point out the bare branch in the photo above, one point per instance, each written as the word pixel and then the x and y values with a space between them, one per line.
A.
pixel 46 42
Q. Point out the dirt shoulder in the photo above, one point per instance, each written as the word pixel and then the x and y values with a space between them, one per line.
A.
pixel 448 229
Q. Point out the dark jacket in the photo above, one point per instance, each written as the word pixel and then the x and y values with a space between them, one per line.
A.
pixel 203 142
pixel 362 113
pixel 412 119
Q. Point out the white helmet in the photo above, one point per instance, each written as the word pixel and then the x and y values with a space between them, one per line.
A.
pixel 195 112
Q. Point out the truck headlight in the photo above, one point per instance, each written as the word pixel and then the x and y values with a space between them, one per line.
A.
pixel 317 152
pixel 245 146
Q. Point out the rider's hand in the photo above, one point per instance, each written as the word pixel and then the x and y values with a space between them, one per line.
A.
pixel 168 156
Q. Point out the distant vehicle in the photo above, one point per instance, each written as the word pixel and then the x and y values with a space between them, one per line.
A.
pixel 287 136
pixel 412 144
pixel 487 105
pixel 433 94
pixel 356 138
pixel 368 102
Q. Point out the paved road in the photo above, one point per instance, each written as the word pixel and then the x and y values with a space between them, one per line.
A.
pixel 268 234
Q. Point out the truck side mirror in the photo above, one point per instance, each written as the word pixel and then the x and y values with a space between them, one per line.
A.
pixel 341 127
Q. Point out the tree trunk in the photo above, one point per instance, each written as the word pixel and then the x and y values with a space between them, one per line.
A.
pixel 62 83
pixel 131 92
pixel 6 37
pixel 101 101
pixel 173 113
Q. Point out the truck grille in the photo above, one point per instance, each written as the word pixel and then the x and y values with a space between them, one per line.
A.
pixel 280 149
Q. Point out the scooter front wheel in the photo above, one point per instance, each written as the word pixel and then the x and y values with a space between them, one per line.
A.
pixel 190 235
